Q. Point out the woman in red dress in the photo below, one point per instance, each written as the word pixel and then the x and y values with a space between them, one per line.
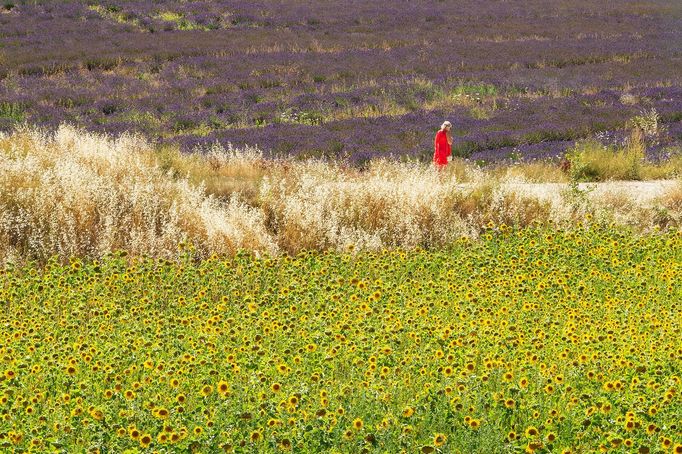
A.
pixel 442 145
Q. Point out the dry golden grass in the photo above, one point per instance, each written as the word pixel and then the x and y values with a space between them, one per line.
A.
pixel 532 172
pixel 72 193
pixel 222 172
pixel 321 205
pixel 78 194
pixel 672 168
pixel 668 208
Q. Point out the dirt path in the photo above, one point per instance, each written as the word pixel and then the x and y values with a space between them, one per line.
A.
pixel 641 192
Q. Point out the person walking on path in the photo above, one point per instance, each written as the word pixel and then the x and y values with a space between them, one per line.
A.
pixel 442 146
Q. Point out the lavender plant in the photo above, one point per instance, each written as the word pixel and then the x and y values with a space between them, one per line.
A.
pixel 345 79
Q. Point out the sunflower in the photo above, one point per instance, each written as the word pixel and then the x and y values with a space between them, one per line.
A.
pixel 223 388
pixel 439 439
pixel 206 390
pixel 134 433
pixel 532 432
pixel 533 446
pixel 97 414
pixel 651 428
pixel 357 424
pixel 145 440
pixel 273 422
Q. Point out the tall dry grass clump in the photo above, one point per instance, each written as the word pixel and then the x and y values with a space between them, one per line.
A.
pixel 323 206
pixel 224 172
pixel 72 193
pixel 668 208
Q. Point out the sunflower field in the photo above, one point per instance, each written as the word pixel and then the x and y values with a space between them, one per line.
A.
pixel 538 340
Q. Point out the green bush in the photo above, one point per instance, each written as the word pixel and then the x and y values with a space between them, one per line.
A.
pixel 593 161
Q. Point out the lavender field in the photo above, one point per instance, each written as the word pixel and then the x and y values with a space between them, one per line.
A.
pixel 346 79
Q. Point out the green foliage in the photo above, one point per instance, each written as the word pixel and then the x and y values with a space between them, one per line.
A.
pixel 577 197
pixel 181 22
pixel 648 122
pixel 474 89
pixel 301 117
pixel 12 111
pixel 116 14
pixel 592 161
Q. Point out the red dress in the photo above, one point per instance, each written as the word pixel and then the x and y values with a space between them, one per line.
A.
pixel 442 149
